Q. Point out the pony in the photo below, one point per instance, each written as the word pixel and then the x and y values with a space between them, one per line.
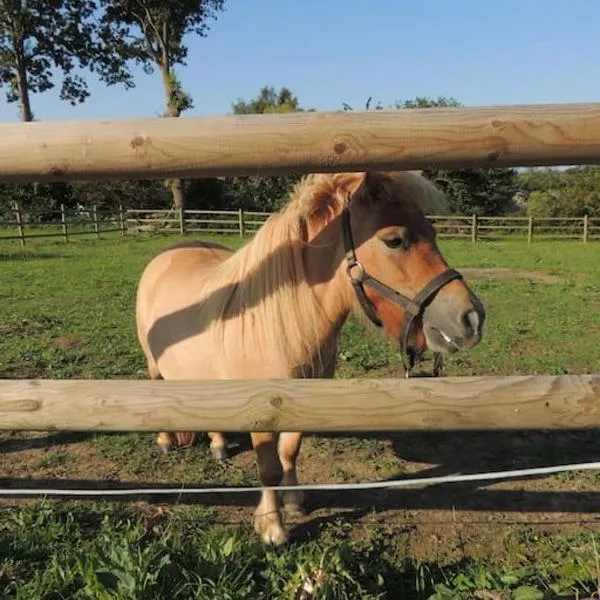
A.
pixel 274 309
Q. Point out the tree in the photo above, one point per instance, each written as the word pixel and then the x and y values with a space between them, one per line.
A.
pixel 573 192
pixel 39 41
pixel 152 33
pixel 262 193
pixel 268 101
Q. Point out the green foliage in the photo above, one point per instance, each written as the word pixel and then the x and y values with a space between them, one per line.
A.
pixel 101 551
pixel 41 201
pixel 40 41
pixel 573 192
pixel 151 33
pixel 484 192
pixel 268 101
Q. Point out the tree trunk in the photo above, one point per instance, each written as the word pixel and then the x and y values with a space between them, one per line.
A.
pixel 173 112
pixel 22 84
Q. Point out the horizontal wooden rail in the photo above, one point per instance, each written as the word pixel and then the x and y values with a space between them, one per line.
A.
pixel 462 403
pixel 551 134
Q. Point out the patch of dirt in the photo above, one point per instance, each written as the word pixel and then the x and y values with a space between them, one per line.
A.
pixel 506 273
pixel 448 521
pixel 67 342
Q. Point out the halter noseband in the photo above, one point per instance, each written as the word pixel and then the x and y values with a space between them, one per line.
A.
pixel 413 307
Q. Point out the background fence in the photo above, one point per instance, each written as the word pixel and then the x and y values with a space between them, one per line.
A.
pixel 66 223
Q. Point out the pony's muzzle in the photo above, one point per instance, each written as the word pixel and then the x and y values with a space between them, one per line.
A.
pixel 451 324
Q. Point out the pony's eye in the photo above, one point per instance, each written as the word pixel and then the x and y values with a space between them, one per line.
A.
pixel 395 243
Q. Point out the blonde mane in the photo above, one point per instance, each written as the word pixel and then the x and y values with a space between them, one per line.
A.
pixel 265 283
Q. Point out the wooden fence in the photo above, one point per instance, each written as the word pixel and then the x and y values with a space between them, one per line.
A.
pixel 304 142
pixel 457 403
pixel 68 223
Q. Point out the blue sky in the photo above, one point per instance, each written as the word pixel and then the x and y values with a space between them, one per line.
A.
pixel 327 52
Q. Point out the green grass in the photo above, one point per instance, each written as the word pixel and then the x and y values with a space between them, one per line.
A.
pixel 66 311
pixel 109 551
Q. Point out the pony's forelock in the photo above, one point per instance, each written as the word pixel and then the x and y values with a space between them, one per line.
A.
pixel 320 197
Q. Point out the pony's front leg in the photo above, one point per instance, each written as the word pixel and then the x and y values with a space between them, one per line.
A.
pixel 218 445
pixel 289 448
pixel 267 518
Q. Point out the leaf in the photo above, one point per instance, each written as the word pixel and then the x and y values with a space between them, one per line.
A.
pixel 227 548
pixel 528 592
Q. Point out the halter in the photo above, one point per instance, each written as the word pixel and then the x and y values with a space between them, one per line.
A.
pixel 413 307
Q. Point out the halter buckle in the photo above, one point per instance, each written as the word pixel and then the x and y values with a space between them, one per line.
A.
pixel 361 275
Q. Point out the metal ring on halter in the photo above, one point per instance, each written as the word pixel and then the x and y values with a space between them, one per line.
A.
pixel 361 272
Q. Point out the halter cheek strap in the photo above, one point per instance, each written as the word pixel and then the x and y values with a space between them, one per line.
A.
pixel 413 307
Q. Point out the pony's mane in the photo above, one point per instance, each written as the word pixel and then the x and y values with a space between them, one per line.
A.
pixel 265 282
pixel 324 193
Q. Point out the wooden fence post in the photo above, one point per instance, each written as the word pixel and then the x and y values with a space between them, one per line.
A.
pixel 530 230
pixel 96 222
pixel 241 222
pixel 122 220
pixel 181 220
pixel 19 220
pixel 63 219
pixel 474 229
pixel 585 229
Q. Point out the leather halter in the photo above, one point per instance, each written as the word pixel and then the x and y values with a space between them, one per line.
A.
pixel 413 307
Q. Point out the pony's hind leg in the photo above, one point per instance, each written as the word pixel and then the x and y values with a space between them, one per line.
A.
pixel 167 439
pixel 267 518
pixel 164 439
pixel 218 445
pixel 289 448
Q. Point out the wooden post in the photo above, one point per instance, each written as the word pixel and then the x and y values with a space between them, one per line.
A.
pixel 530 230
pixel 19 220
pixel 96 222
pixel 63 219
pixel 182 220
pixel 474 229
pixel 585 229
pixel 122 220
pixel 241 222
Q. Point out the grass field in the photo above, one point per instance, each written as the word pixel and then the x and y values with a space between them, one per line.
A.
pixel 66 311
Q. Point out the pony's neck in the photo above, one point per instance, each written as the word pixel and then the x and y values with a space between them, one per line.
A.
pixel 288 290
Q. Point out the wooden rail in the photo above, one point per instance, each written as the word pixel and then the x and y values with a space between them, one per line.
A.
pixel 551 134
pixel 460 403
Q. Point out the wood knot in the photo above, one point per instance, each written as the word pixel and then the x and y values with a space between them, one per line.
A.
pixel 23 405
pixel 137 142
pixel 56 171
pixel 340 147
pixel 276 402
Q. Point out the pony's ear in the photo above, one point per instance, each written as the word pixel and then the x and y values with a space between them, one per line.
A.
pixel 372 184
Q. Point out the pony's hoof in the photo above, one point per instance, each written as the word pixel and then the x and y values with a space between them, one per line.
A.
pixel 293 509
pixel 293 503
pixel 164 447
pixel 219 452
pixel 270 530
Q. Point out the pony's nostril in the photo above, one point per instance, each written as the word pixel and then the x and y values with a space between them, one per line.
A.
pixel 471 322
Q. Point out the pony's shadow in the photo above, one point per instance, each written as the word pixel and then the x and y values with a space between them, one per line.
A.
pixel 24 257
pixel 465 452
pixel 19 444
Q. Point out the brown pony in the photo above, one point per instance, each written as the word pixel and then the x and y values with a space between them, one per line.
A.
pixel 275 308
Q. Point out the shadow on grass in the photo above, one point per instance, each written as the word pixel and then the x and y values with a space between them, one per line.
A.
pixel 30 255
